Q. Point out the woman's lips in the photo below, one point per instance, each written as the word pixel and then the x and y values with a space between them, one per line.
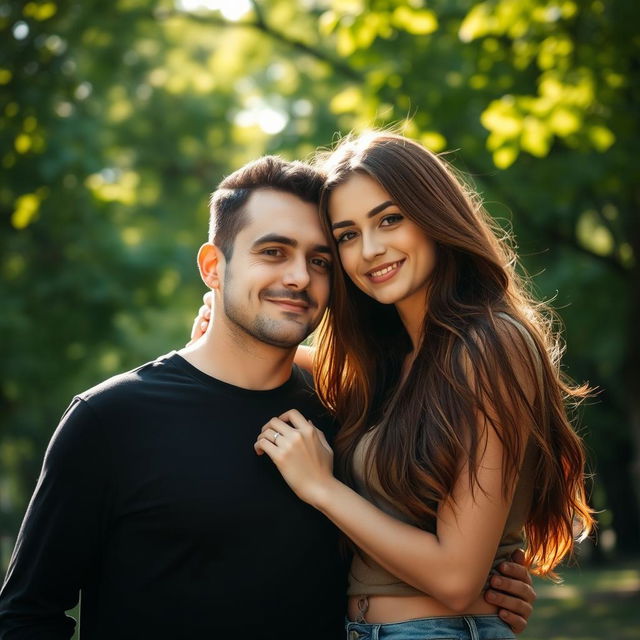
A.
pixel 384 272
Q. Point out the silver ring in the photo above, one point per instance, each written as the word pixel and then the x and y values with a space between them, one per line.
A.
pixel 276 437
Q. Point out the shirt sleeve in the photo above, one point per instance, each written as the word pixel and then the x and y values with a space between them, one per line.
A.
pixel 62 533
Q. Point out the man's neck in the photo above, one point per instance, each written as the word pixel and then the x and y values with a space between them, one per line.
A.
pixel 239 359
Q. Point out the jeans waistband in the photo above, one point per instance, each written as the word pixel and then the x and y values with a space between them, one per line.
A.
pixel 480 627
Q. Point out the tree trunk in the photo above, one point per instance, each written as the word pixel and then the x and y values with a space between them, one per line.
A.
pixel 633 355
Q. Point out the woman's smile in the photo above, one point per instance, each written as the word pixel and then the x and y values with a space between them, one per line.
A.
pixel 384 252
pixel 384 272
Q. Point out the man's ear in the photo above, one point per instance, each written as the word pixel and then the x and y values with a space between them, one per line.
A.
pixel 211 264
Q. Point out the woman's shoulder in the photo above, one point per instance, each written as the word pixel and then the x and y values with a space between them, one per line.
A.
pixel 503 327
pixel 506 342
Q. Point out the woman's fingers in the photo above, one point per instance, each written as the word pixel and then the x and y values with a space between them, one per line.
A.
pixel 262 445
pixel 301 427
pixel 297 420
pixel 299 451
pixel 277 425
pixel 200 323
pixel 270 434
pixel 323 440
pixel 281 433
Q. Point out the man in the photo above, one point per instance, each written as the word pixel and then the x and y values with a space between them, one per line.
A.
pixel 152 502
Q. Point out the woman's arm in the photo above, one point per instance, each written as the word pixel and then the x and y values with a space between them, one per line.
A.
pixel 304 357
pixel 453 564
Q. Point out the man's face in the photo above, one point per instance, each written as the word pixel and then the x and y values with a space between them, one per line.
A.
pixel 275 287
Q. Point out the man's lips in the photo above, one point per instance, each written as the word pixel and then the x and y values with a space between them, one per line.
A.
pixel 297 306
pixel 384 272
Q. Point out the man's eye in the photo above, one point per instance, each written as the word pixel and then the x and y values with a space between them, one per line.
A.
pixel 344 237
pixel 392 218
pixel 321 263
pixel 274 253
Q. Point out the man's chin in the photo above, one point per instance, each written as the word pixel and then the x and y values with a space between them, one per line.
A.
pixel 283 333
pixel 285 341
pixel 291 335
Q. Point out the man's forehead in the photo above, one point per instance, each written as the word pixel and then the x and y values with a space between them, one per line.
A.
pixel 275 198
pixel 271 211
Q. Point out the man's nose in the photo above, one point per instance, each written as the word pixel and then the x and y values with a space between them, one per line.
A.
pixel 297 274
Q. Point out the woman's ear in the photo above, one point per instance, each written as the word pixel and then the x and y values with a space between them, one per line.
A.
pixel 211 265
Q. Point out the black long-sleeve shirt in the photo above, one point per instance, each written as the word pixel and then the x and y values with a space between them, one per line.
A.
pixel 153 504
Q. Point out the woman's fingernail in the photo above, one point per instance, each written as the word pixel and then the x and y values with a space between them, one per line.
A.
pixel 496 582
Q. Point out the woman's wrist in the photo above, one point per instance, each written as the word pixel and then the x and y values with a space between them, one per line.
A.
pixel 325 494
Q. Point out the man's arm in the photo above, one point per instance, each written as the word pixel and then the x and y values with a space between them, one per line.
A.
pixel 61 534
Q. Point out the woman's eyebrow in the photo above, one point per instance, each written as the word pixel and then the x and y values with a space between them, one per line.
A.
pixel 375 211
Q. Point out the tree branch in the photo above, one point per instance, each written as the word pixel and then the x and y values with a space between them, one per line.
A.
pixel 259 24
pixel 258 11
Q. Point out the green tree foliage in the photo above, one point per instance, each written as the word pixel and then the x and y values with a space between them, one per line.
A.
pixel 118 119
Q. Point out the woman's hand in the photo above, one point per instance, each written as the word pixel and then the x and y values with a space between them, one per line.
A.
pixel 201 321
pixel 301 453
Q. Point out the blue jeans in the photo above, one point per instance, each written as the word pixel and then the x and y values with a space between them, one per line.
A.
pixel 484 627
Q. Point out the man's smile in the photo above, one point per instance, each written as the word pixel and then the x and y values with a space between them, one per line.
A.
pixel 295 306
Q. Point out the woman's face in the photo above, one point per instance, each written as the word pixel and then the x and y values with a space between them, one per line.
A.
pixel 385 254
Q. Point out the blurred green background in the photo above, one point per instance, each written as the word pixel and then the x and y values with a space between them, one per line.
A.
pixel 117 120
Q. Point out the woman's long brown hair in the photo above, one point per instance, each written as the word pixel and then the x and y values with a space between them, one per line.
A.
pixel 469 365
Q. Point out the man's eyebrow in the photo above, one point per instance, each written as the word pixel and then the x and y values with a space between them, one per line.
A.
pixel 290 242
pixel 278 239
pixel 375 211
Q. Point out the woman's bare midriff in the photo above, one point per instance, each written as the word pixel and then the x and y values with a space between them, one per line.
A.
pixel 386 609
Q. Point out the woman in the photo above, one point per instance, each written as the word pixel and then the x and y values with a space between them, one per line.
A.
pixel 454 444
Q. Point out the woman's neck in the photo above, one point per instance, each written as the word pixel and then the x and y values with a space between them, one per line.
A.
pixel 412 312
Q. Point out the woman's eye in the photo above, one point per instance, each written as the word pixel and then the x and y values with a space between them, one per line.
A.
pixel 347 235
pixel 392 218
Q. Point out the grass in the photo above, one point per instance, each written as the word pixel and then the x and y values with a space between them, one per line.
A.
pixel 591 604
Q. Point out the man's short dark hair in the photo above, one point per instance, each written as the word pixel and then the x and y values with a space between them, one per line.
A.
pixel 228 214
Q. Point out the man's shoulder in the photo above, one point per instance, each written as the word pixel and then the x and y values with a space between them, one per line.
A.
pixel 303 379
pixel 301 386
pixel 127 385
pixel 309 402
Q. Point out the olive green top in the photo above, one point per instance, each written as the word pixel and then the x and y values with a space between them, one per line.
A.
pixel 367 577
